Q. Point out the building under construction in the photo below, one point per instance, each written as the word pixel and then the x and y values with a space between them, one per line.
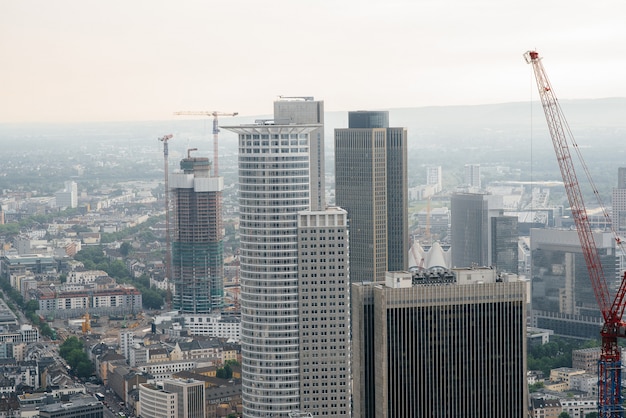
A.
pixel 197 238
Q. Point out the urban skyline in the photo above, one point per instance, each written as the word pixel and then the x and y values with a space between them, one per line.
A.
pixel 327 234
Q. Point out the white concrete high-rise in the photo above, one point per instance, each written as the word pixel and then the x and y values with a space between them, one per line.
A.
pixel 127 339
pixel 324 287
pixel 273 188
pixel 472 175
pixel 434 177
pixel 68 197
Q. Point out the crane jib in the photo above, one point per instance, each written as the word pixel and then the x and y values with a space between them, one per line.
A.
pixel 609 365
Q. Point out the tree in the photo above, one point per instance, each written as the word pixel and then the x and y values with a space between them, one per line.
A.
pixel 564 415
pixel 225 372
pixel 31 306
pixel 72 351
pixel 125 249
pixel 592 415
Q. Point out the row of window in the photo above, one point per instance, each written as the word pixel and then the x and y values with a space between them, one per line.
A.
pixel 273 136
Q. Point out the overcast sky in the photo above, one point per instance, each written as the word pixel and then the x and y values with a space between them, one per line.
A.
pixel 81 60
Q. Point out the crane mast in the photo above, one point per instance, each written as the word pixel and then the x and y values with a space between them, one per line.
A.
pixel 609 366
pixel 216 132
pixel 168 245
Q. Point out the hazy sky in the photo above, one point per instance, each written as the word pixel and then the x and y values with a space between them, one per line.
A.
pixel 82 60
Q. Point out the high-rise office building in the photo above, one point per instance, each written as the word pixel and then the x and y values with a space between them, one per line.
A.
pixel 481 234
pixel 324 289
pixel 306 110
pixel 504 245
pixel 197 239
pixel 273 189
pixel 127 339
pixel 442 345
pixel 68 197
pixel 371 184
pixel 562 296
pixel 434 178
pixel 469 229
pixel 472 175
pixel 619 202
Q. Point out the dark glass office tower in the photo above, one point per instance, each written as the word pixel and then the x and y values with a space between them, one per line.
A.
pixel 371 184
pixel 439 349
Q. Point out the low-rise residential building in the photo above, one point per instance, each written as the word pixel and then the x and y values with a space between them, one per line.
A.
pixel 118 300
pixel 586 359
pixel 165 370
pixel 85 277
pixel 564 374
pixel 579 408
pixel 545 408
pixel 214 325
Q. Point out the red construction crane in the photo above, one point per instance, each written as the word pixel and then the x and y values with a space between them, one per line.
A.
pixel 609 365
pixel 168 252
pixel 216 131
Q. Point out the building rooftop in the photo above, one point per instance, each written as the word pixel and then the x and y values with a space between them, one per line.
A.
pixel 75 402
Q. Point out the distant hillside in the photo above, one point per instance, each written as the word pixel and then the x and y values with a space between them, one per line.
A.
pixel 505 136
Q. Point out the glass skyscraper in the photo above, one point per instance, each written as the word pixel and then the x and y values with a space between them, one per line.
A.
pixel 371 184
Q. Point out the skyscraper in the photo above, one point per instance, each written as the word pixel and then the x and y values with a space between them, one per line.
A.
pixel 434 178
pixel 469 229
pixel 445 345
pixel 197 241
pixel 273 188
pixel 303 110
pixel 504 244
pixel 472 175
pixel 324 289
pixel 619 202
pixel 371 184
pixel 480 233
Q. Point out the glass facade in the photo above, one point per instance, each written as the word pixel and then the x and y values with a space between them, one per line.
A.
pixel 371 184
pixel 562 296
pixel 442 350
